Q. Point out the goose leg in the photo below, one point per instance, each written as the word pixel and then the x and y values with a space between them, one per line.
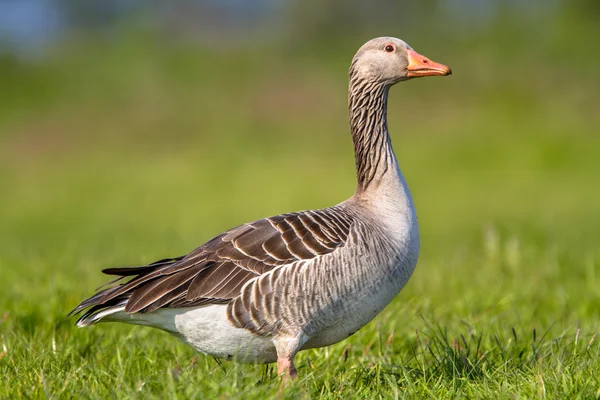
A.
pixel 287 347
pixel 286 368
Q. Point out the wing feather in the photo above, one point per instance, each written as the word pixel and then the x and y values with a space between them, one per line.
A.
pixel 215 272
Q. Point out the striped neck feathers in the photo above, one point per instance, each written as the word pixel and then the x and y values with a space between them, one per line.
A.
pixel 375 159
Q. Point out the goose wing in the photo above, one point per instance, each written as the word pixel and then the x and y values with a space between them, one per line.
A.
pixel 215 272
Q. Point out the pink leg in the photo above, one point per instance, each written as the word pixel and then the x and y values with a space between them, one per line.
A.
pixel 286 368
pixel 287 347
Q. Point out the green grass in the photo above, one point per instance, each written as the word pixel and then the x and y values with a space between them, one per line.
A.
pixel 129 165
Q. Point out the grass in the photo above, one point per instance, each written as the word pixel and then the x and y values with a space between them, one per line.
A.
pixel 503 304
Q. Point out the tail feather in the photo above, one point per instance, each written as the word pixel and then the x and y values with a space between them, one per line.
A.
pixel 112 299
pixel 96 313
pixel 129 271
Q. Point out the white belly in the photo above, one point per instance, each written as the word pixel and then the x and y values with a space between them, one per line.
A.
pixel 207 329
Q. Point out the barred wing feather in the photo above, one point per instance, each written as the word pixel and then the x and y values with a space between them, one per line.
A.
pixel 215 272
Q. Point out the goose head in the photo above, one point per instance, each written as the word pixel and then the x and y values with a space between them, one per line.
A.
pixel 389 60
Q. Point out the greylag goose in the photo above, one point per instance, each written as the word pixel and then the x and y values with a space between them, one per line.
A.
pixel 263 291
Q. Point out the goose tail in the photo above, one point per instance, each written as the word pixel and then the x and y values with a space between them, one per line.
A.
pixel 108 304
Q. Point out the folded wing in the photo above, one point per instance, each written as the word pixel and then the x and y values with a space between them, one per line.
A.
pixel 215 272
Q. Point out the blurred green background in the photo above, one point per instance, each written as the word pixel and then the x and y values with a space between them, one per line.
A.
pixel 151 127
pixel 152 121
pixel 135 130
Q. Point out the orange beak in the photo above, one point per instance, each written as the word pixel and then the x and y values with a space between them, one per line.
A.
pixel 419 65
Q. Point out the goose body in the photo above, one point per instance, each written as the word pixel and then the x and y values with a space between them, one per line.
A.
pixel 263 291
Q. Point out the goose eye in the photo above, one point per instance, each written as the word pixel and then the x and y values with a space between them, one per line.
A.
pixel 389 48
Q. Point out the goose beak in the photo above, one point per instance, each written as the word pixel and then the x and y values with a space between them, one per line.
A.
pixel 419 65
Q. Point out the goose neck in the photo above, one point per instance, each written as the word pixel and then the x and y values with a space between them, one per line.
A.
pixel 375 159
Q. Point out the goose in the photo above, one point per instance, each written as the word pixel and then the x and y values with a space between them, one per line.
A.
pixel 263 291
